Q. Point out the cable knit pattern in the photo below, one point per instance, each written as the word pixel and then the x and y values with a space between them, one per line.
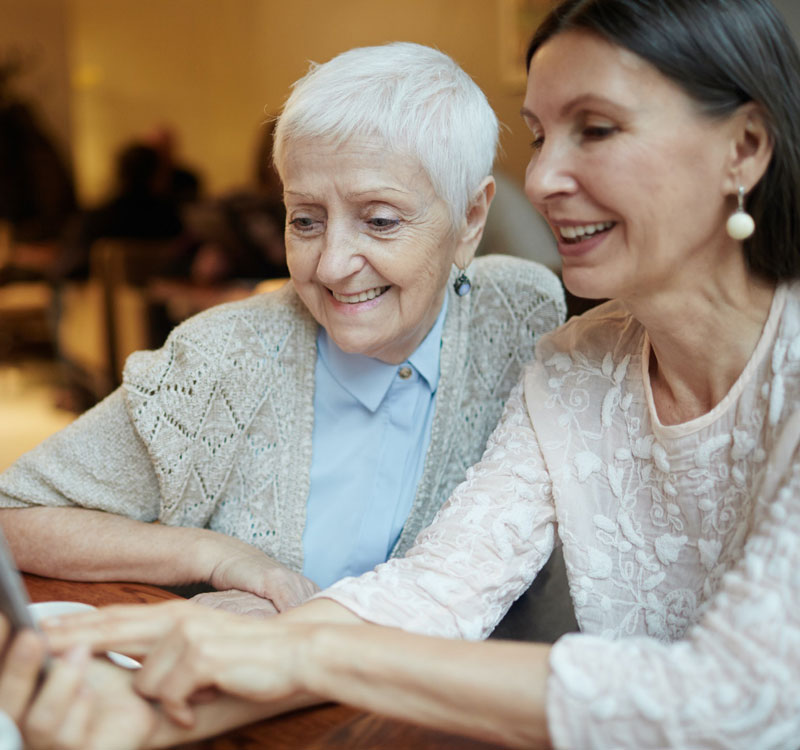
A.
pixel 214 429
pixel 681 543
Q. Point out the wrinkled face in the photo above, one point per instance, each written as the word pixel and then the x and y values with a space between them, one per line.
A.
pixel 368 243
pixel 626 170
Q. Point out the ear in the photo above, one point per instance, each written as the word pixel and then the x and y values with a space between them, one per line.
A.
pixel 472 229
pixel 751 149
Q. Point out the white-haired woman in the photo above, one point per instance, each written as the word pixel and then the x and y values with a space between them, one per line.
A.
pixel 291 439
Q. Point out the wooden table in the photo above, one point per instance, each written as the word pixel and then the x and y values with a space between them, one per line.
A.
pixel 329 727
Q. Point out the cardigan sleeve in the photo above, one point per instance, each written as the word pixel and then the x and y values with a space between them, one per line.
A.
pixel 732 682
pixel 97 462
pixel 481 552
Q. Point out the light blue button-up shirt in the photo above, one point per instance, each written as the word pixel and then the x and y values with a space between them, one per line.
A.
pixel 372 428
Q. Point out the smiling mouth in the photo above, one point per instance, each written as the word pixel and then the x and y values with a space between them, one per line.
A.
pixel 352 299
pixel 574 234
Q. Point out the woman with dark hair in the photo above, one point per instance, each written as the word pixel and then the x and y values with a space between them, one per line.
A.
pixel 656 437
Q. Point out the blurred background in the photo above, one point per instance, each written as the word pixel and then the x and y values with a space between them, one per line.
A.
pixel 135 188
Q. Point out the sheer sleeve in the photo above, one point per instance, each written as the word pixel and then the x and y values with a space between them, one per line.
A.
pixel 732 682
pixel 482 550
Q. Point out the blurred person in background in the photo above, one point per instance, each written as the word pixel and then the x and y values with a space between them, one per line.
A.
pixel 37 192
pixel 239 235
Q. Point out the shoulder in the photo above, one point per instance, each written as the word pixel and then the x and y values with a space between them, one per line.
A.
pixel 789 327
pixel 609 327
pixel 785 352
pixel 252 324
pixel 258 309
pixel 513 298
pixel 516 279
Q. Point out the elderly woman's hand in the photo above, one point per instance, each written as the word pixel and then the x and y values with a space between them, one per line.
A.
pixel 81 703
pixel 238 602
pixel 245 568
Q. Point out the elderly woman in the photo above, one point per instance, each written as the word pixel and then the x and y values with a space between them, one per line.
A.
pixel 291 439
pixel 656 437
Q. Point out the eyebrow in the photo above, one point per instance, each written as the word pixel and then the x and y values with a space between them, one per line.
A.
pixel 578 101
pixel 377 189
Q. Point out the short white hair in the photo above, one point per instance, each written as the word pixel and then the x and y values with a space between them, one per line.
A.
pixel 416 99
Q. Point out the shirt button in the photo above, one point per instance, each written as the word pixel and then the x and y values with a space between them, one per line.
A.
pixel 404 372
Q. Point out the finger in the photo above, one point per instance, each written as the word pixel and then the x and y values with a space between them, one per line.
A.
pixel 49 710
pixel 75 726
pixel 131 629
pixel 263 610
pixel 23 662
pixel 238 602
pixel 226 600
pixel 168 676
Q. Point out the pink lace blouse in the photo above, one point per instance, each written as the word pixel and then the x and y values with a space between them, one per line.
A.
pixel 681 543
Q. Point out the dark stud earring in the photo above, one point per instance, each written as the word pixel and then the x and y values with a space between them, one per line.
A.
pixel 462 284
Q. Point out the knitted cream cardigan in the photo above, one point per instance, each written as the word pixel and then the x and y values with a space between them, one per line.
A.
pixel 214 429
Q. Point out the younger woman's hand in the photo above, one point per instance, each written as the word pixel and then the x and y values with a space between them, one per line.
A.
pixel 259 660
pixel 190 648
pixel 78 703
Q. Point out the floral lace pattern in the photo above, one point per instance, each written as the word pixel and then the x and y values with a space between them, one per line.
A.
pixel 681 543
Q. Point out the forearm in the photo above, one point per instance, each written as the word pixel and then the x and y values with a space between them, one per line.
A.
pixel 321 611
pixel 491 690
pixel 90 545
pixel 221 715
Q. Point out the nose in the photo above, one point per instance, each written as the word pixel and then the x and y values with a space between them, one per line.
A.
pixel 549 174
pixel 339 257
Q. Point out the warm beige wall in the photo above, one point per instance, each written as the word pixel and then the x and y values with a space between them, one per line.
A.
pixel 212 67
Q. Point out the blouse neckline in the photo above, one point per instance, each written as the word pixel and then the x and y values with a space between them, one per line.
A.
pixel 763 346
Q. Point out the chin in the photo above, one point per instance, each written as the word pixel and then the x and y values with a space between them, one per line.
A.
pixel 587 283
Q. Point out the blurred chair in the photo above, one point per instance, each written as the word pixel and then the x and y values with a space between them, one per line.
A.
pixel 105 319
pixel 25 305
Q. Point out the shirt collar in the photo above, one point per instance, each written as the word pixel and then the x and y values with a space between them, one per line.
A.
pixel 367 379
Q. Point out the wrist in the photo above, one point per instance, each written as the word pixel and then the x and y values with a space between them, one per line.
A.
pixel 312 651
pixel 207 551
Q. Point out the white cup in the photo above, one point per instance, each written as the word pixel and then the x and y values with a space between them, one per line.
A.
pixel 10 738
pixel 42 610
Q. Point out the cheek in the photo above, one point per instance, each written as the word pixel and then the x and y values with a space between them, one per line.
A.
pixel 426 271
pixel 300 262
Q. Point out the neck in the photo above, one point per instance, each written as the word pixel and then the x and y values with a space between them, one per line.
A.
pixel 701 337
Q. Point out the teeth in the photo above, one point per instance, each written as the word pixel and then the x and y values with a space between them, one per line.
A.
pixel 351 299
pixel 585 230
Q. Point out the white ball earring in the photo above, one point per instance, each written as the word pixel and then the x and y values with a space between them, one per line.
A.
pixel 740 224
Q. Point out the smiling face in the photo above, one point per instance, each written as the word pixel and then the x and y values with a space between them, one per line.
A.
pixel 368 243
pixel 628 173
